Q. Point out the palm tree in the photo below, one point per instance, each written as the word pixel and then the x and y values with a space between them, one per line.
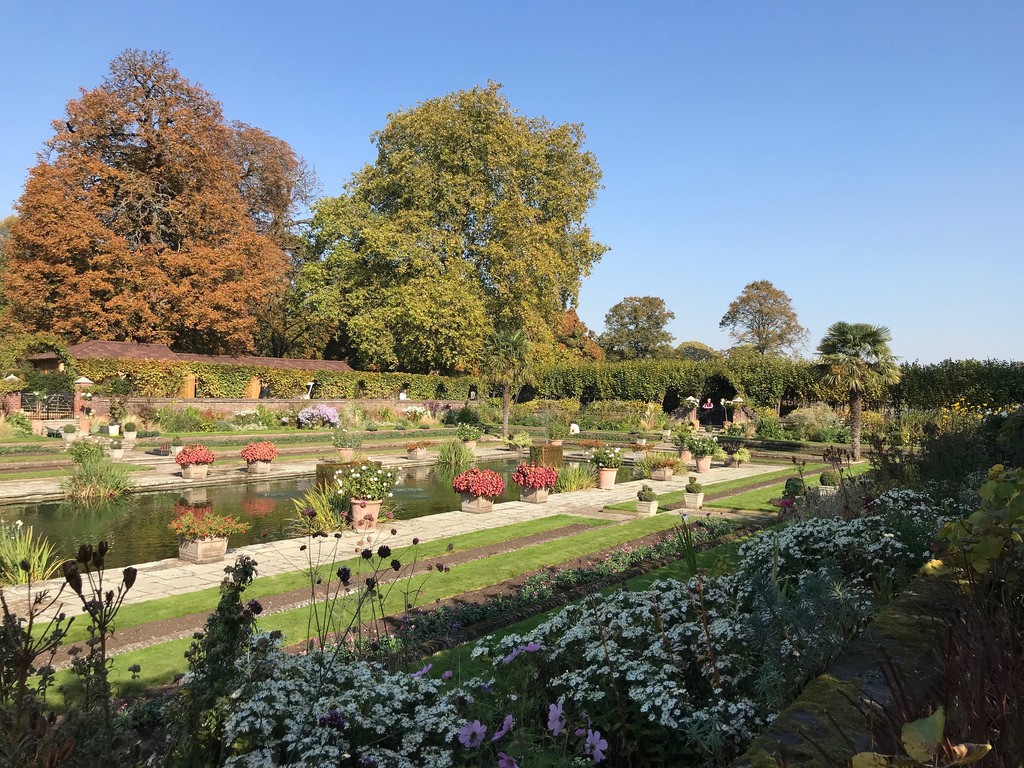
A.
pixel 506 363
pixel 855 357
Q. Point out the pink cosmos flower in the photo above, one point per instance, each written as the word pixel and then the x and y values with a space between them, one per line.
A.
pixel 506 726
pixel 472 735
pixel 595 746
pixel 556 723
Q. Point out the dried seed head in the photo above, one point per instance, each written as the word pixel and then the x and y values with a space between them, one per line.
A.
pixel 128 576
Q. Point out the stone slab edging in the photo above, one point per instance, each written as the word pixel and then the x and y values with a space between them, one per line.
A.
pixel 822 728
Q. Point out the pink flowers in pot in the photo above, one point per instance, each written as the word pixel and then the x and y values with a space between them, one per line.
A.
pixel 479 482
pixel 194 454
pixel 261 451
pixel 530 476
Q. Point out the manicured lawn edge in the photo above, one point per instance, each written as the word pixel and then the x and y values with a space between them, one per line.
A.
pixel 757 500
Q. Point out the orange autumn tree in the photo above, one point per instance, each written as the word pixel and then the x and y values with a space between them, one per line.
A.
pixel 140 221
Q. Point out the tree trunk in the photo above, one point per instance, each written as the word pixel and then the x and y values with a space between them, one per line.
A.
pixel 856 404
pixel 506 400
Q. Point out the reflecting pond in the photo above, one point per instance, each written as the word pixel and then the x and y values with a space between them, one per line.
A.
pixel 136 526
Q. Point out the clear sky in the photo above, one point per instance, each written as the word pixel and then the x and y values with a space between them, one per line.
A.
pixel 866 157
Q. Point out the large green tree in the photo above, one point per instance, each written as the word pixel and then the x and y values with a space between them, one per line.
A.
pixel 635 328
pixel 149 218
pixel 855 357
pixel 472 217
pixel 763 316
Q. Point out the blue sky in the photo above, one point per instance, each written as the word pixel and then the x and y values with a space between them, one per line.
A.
pixel 866 157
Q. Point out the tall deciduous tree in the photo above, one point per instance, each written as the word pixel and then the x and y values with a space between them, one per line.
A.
pixel 855 357
pixel 635 328
pixel 763 316
pixel 472 217
pixel 149 218
pixel 5 235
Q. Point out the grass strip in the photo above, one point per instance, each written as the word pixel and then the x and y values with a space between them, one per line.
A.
pixel 161 662
pixel 60 473
pixel 205 600
pixel 759 500
pixel 720 487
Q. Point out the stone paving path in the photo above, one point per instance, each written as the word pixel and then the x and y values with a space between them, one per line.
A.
pixel 164 578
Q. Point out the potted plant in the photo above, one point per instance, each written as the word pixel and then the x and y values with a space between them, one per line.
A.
pixel 534 482
pixel 346 443
pixel 589 446
pixel 520 441
pixel 478 487
pixel 202 536
pixel 693 494
pixel 829 480
pixel 113 429
pixel 418 450
pixel 608 461
pixel 366 487
pixel 68 432
pixel 741 456
pixel 258 456
pixel 557 432
pixel 131 430
pixel 469 434
pixel 638 438
pixel 666 432
pixel 662 467
pixel 176 446
pixel 116 450
pixel 682 442
pixel 195 461
pixel 703 447
pixel 646 501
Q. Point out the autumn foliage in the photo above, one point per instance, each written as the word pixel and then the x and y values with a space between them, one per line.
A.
pixel 149 218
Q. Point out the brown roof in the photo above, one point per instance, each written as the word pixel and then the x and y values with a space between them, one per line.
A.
pixel 130 350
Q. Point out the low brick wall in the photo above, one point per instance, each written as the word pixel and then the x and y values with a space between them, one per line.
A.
pixel 228 407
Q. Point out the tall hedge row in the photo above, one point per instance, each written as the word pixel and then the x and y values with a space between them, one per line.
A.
pixel 761 381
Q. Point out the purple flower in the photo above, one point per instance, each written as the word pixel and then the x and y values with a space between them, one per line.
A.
pixel 556 723
pixel 423 671
pixel 446 675
pixel 506 726
pixel 506 761
pixel 512 656
pixel 531 647
pixel 595 746
pixel 332 719
pixel 472 734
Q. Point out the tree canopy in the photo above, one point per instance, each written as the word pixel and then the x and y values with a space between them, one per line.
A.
pixel 635 328
pixel 471 218
pixel 148 218
pixel 763 316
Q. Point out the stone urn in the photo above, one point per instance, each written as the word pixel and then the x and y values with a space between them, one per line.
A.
pixel 201 551
pixel 476 504
pixel 533 495
pixel 195 471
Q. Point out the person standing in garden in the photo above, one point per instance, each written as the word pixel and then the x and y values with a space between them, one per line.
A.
pixel 708 408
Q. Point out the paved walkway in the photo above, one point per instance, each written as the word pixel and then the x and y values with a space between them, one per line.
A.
pixel 164 578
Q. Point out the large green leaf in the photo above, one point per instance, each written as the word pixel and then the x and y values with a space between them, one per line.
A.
pixel 921 738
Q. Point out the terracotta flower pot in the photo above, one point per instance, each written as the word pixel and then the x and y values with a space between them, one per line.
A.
pixel 210 550
pixel 606 477
pixel 470 444
pixel 685 456
pixel 365 513
pixel 346 454
pixel 703 464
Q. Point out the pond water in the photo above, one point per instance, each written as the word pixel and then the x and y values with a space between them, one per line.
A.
pixel 136 527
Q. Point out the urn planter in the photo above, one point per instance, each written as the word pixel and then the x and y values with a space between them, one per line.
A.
pixel 606 477
pixel 476 504
pixel 346 454
pixel 131 435
pixel 365 513
pixel 533 495
pixel 685 456
pixel 647 507
pixel 470 444
pixel 209 550
pixel 195 471
pixel 259 467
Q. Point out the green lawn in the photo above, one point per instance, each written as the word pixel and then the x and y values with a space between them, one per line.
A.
pixel 61 473
pixel 758 500
pixel 159 663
